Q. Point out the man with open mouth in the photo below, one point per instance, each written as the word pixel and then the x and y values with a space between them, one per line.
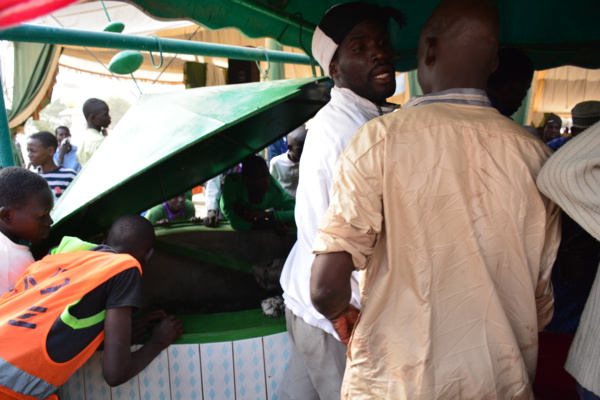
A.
pixel 352 46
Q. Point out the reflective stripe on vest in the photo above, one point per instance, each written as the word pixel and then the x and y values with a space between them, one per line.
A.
pixel 21 382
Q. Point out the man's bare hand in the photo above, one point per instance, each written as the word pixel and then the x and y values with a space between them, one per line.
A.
pixel 212 219
pixel 143 323
pixel 344 323
pixel 163 222
pixel 166 332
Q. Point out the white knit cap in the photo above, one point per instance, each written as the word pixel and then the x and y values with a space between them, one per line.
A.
pixel 323 48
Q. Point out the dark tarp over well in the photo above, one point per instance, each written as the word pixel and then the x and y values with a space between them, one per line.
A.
pixel 169 143
pixel 552 32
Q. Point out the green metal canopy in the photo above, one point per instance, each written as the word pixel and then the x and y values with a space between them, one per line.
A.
pixel 552 32
pixel 169 143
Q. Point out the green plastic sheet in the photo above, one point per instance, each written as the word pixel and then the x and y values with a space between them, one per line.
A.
pixel 169 143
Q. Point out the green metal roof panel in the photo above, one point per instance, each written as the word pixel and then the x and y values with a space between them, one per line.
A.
pixel 551 32
pixel 169 143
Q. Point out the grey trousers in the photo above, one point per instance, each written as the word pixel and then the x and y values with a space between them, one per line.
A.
pixel 316 365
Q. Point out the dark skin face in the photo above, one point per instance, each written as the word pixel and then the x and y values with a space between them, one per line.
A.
pixel 258 183
pixel 363 62
pixel 99 118
pixel 176 204
pixel 40 156
pixel 31 221
pixel 62 133
pixel 551 131
pixel 295 146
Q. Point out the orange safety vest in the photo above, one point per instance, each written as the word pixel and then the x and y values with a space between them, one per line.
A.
pixel 27 313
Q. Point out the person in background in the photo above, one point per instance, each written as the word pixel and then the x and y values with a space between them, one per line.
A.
pixel 67 304
pixel 176 209
pixel 551 128
pixel 508 85
pixel 352 46
pixel 25 205
pixel 41 147
pixel 97 116
pixel 285 167
pixel 437 204
pixel 570 178
pixel 66 155
pixel 584 115
pixel 254 200
pixel 212 195
pixel 276 148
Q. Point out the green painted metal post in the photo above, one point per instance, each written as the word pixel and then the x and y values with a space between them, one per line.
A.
pixel 75 37
pixel 7 157
pixel 277 69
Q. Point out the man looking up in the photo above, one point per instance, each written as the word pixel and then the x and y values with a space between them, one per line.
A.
pixel 96 114
pixel 352 45
pixel 438 205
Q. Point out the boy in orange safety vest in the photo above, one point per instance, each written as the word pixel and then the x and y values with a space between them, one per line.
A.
pixel 65 305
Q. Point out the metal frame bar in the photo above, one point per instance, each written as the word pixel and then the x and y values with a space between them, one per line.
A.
pixel 76 37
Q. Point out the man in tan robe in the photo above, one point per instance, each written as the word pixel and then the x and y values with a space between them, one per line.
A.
pixel 437 204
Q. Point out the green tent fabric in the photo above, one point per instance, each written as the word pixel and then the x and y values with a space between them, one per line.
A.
pixel 32 67
pixel 170 142
pixel 551 32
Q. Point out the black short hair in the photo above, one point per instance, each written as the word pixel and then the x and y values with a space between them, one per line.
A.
pixel 91 106
pixel 62 127
pixel 513 65
pixel 16 184
pixel 46 139
pixel 131 234
pixel 254 164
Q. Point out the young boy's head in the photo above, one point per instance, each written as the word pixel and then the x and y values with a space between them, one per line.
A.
pixel 25 205
pixel 177 203
pixel 41 147
pixel 96 114
pixel 133 235
pixel 62 132
pixel 256 174
pixel 295 142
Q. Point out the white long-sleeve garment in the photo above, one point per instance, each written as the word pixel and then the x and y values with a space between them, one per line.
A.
pixel 328 135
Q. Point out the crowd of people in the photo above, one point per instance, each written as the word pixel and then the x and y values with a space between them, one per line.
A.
pixel 428 256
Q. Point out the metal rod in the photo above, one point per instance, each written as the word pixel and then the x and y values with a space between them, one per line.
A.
pixel 75 37
pixel 290 20
pixel 7 157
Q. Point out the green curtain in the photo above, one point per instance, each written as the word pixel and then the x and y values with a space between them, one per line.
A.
pixel 32 64
pixel 194 75
pixel 413 84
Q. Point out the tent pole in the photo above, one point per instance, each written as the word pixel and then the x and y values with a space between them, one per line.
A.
pixel 75 37
pixel 7 157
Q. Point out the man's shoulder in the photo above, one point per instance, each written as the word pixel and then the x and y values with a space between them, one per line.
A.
pixel 282 160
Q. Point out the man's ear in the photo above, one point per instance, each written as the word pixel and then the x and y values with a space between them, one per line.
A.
pixel 431 49
pixel 5 214
pixel 494 64
pixel 333 68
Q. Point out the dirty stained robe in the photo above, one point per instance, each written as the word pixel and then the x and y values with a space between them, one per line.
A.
pixel 438 205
